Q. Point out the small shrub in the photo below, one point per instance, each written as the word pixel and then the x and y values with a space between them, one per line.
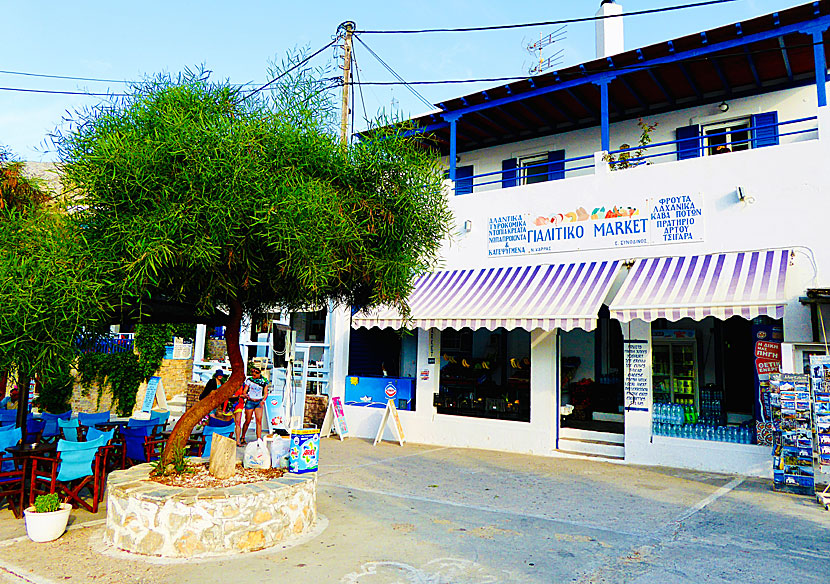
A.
pixel 47 503
pixel 632 159
pixel 178 465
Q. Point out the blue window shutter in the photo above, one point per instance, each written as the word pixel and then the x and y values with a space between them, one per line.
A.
pixel 765 136
pixel 556 165
pixel 688 142
pixel 508 173
pixel 464 180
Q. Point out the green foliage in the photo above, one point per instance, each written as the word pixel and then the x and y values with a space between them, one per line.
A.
pixel 51 287
pixel 47 503
pixel 55 393
pixel 177 465
pixel 122 373
pixel 206 197
pixel 632 158
pixel 17 190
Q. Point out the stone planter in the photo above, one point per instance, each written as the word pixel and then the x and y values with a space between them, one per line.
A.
pixel 145 517
pixel 50 526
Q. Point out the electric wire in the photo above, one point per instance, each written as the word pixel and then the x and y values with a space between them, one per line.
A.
pixel 585 72
pixel 360 89
pixel 394 74
pixel 287 71
pixel 548 22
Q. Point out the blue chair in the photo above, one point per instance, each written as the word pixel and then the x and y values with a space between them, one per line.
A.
pixel 51 429
pixel 209 431
pixel 155 427
pixel 217 423
pixel 95 433
pixel 34 430
pixel 70 429
pixel 78 465
pixel 8 416
pixel 134 439
pixel 160 417
pixel 88 420
pixel 9 436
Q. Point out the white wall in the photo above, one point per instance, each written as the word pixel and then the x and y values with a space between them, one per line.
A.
pixel 790 104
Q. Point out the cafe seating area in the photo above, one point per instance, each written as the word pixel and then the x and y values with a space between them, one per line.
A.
pixel 71 455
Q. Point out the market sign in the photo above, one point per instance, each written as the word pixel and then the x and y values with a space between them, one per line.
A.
pixel 658 220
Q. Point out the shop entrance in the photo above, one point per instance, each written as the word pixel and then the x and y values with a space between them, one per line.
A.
pixel 591 389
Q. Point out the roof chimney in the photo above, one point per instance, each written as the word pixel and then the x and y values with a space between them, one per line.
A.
pixel 609 30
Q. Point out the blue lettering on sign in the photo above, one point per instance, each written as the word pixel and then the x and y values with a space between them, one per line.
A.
pixel 555 233
pixel 626 227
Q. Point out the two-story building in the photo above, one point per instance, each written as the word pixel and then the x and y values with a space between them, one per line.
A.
pixel 640 242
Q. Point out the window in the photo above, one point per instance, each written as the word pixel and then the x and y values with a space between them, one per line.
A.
pixel 534 169
pixel 730 136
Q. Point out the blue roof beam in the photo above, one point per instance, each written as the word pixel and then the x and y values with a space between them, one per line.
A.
pixel 820 22
pixel 552 103
pixel 513 119
pixel 752 67
pixel 633 92
pixel 494 123
pixel 533 114
pixel 591 111
pixel 660 85
pixel 786 57
pixel 719 70
pixel 690 80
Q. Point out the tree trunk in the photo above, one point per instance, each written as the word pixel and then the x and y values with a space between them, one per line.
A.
pixel 22 403
pixel 181 432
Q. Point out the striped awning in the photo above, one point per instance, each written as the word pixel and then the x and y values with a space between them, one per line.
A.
pixel 746 284
pixel 547 297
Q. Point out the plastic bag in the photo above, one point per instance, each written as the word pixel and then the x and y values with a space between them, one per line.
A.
pixel 279 448
pixel 256 455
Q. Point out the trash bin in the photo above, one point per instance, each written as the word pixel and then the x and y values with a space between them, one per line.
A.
pixel 304 455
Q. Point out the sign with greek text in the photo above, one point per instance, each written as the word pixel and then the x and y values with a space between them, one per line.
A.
pixel 657 220
pixel 636 375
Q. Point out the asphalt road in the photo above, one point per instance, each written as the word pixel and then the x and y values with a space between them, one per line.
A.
pixel 426 515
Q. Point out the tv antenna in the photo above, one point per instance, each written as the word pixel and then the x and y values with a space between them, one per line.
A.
pixel 537 50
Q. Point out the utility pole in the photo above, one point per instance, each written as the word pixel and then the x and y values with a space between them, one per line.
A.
pixel 348 30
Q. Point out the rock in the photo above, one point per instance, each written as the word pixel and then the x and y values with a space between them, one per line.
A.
pixel 222 457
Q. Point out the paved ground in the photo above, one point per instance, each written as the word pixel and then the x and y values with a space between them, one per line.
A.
pixel 426 515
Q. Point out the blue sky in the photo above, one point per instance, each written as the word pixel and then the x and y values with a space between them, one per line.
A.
pixel 120 40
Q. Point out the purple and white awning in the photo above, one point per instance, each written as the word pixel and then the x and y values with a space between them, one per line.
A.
pixel 746 284
pixel 547 297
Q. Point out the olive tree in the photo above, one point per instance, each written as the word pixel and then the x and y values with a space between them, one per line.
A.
pixel 210 197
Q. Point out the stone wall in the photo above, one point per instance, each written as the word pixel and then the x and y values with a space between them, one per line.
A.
pixel 315 410
pixel 175 376
pixel 145 517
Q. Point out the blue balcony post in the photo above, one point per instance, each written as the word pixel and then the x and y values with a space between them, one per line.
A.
pixel 821 67
pixel 452 118
pixel 603 114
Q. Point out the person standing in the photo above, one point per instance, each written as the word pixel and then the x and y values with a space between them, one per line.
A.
pixel 212 384
pixel 256 390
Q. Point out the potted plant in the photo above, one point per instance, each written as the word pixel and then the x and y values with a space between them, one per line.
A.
pixel 46 520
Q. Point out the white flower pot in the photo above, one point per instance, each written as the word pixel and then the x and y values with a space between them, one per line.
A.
pixel 46 526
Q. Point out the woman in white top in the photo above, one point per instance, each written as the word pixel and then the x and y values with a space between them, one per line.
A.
pixel 255 390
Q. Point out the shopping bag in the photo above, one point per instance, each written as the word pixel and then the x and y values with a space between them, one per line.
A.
pixel 279 447
pixel 256 455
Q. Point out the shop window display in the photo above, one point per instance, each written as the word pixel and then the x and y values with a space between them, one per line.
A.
pixel 485 374
pixel 705 376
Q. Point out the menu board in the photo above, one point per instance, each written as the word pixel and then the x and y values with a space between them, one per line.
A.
pixel 636 375
pixel 820 370
pixel 792 450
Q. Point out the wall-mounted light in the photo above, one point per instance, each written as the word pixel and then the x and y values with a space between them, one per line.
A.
pixel 724 107
pixel 740 192
pixel 457 159
pixel 468 226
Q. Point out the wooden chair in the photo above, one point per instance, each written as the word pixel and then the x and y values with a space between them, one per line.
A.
pixel 11 483
pixel 78 465
pixel 71 430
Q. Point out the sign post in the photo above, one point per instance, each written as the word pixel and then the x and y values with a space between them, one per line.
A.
pixel 335 418
pixel 397 429
pixel 154 394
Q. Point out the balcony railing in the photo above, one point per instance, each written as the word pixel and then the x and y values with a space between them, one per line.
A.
pixel 745 138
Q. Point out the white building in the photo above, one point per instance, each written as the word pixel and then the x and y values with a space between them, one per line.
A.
pixel 576 300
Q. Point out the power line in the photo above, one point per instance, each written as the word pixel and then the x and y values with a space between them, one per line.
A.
pixel 545 23
pixel 287 71
pixel 47 76
pixel 586 72
pixel 392 71
pixel 51 91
